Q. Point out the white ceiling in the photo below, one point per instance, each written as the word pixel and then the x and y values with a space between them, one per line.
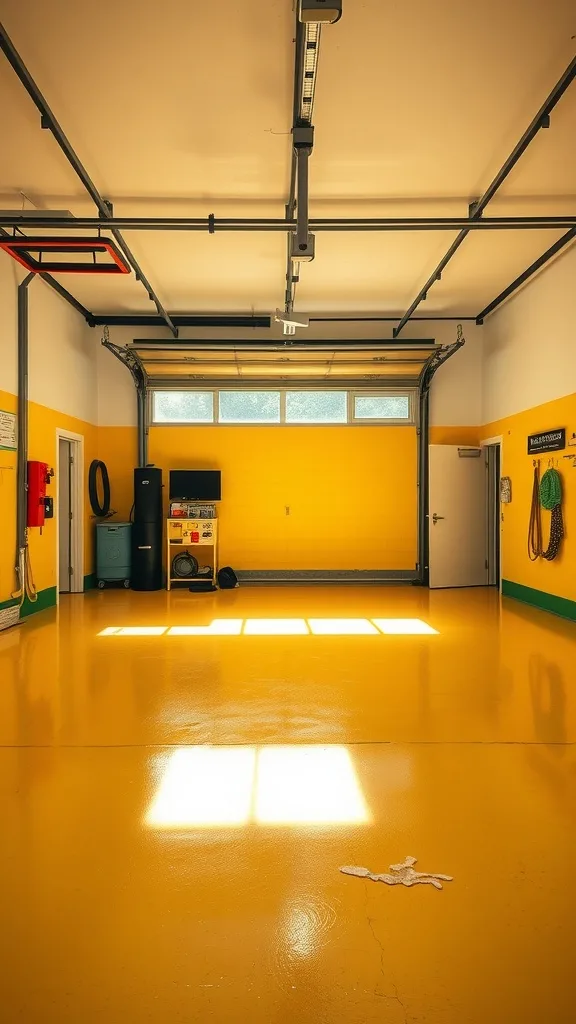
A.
pixel 185 109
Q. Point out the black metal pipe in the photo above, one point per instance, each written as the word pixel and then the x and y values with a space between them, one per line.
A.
pixel 179 319
pixel 191 320
pixel 380 319
pixel 526 275
pixel 142 433
pixel 261 322
pixel 146 423
pixel 541 120
pixel 49 120
pixel 22 406
pixel 290 224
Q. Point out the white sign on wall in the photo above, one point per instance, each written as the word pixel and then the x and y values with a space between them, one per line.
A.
pixel 7 431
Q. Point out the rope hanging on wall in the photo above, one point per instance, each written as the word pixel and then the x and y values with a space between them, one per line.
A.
pixel 551 499
pixel 535 525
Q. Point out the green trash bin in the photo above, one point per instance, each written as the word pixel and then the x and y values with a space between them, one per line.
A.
pixel 113 553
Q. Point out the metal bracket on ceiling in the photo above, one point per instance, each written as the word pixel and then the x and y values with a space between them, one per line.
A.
pixel 302 243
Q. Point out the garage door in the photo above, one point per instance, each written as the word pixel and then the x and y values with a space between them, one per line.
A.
pixel 317 446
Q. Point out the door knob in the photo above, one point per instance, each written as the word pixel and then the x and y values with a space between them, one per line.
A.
pixel 435 518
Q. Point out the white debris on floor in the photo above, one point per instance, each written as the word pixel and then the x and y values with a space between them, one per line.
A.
pixel 403 874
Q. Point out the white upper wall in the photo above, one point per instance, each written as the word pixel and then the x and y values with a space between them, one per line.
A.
pixel 456 393
pixel 116 390
pixel 62 354
pixel 9 280
pixel 529 344
pixel 456 398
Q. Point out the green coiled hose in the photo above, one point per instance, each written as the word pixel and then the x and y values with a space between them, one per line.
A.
pixel 551 489
pixel 551 499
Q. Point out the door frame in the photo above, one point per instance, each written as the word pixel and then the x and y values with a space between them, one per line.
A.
pixel 77 507
pixel 497 442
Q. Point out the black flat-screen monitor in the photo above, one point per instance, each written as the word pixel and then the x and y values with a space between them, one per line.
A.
pixel 195 485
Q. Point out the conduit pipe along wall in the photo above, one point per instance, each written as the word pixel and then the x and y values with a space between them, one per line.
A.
pixel 140 383
pixel 22 450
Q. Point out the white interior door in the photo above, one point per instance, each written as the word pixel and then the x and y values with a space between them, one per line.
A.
pixel 64 515
pixel 458 517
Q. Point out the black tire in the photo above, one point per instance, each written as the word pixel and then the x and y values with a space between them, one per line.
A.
pixel 126 584
pixel 99 510
pixel 184 566
pixel 101 584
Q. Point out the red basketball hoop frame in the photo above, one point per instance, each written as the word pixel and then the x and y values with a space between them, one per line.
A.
pixel 22 249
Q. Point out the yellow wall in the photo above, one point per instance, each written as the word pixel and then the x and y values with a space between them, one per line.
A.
pixel 42 447
pixel 350 491
pixel 455 435
pixel 118 448
pixel 557 577
pixel 7 510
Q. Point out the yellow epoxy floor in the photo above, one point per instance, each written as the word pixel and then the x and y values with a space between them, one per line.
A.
pixel 145 876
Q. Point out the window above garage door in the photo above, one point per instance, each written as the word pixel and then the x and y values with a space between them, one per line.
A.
pixel 243 405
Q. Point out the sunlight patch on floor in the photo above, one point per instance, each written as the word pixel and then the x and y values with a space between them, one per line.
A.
pixel 207 787
pixel 342 627
pixel 283 627
pixel 404 627
pixel 275 627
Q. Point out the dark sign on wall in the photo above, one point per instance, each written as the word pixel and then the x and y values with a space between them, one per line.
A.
pixel 551 441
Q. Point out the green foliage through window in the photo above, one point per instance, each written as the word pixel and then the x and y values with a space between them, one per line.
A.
pixel 382 407
pixel 183 407
pixel 290 406
pixel 249 406
pixel 316 407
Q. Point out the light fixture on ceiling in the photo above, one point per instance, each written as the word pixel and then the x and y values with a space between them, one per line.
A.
pixel 321 12
pixel 291 321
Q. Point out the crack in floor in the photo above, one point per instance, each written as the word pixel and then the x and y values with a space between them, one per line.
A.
pixel 383 995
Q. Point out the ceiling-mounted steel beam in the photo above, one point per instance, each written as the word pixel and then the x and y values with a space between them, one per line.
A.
pixel 380 319
pixel 179 319
pixel 49 121
pixel 213 225
pixel 527 274
pixel 540 121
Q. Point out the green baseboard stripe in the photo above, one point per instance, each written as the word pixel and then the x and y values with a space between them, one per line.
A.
pixel 46 599
pixel 539 599
pixel 90 581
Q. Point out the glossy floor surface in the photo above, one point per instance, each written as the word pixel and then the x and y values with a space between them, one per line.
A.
pixel 176 808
